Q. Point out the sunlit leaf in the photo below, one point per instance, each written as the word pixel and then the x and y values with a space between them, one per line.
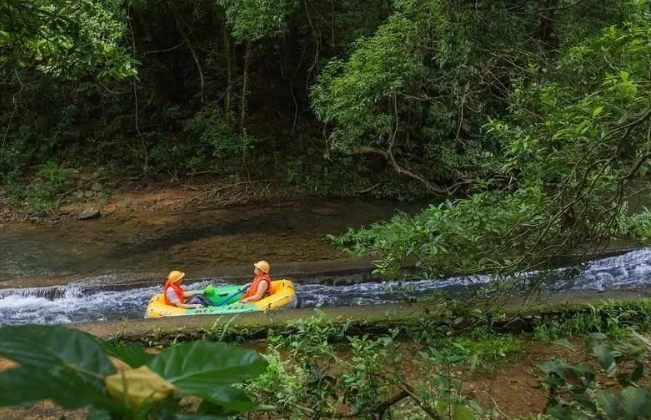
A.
pixel 201 366
pixel 67 366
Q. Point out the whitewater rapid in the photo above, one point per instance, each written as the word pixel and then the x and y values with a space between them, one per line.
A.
pixel 92 300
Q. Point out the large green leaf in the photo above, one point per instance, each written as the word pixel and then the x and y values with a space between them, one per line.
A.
pixel 594 339
pixel 41 346
pixel 67 366
pixel 608 403
pixel 133 354
pixel 636 402
pixel 23 386
pixel 605 357
pixel 558 412
pixel 231 398
pixel 463 413
pixel 200 366
pixel 97 414
pixel 638 372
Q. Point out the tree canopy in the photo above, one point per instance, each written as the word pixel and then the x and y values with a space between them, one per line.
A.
pixel 531 118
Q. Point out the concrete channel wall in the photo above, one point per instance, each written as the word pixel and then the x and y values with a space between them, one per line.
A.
pixel 520 315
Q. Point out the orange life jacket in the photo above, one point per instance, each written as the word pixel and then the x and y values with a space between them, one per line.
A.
pixel 178 290
pixel 253 289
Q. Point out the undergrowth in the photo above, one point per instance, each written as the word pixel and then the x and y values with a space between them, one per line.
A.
pixel 329 367
pixel 40 195
pixel 613 318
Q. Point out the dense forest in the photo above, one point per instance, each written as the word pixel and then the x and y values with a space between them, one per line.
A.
pixel 529 121
pixel 534 115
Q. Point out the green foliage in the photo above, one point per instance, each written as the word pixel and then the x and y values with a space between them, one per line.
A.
pixel 405 89
pixel 448 400
pixel 63 38
pixel 251 20
pixel 314 337
pixel 43 191
pixel 636 226
pixel 349 92
pixel 218 142
pixel 612 318
pixel 575 391
pixel 484 351
pixel 327 369
pixel 443 237
pixel 72 368
pixel 569 148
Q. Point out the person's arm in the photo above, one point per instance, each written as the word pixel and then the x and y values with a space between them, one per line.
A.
pixel 191 293
pixel 176 302
pixel 262 288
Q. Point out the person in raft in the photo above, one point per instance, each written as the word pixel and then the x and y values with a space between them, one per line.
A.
pixel 261 284
pixel 175 295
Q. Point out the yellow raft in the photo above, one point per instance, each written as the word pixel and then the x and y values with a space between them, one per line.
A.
pixel 226 299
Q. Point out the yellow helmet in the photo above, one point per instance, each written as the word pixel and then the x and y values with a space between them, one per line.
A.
pixel 263 266
pixel 175 276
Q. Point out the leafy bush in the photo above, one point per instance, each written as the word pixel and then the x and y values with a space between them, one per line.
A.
pixel 42 193
pixel 73 369
pixel 563 161
pixel 442 238
pixel 330 374
pixel 484 351
pixel 637 226
pixel 219 142
pixel 575 391
pixel 612 318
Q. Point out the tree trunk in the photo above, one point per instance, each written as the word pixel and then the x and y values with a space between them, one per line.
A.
pixel 229 68
pixel 245 85
pixel 186 38
pixel 546 30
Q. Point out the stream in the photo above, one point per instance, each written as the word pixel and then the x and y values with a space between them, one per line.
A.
pixel 78 271
pixel 93 300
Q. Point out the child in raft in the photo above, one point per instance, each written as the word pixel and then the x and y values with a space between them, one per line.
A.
pixel 261 284
pixel 175 295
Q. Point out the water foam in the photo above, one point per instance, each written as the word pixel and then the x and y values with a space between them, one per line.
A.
pixel 86 301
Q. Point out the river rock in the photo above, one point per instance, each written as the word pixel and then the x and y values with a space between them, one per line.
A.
pixel 89 213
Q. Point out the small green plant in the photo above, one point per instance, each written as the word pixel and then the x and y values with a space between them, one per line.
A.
pixel 41 195
pixel 312 338
pixel 483 350
pixel 575 390
pixel 73 369
pixel 443 391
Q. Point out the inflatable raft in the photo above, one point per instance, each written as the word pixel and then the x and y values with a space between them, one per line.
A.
pixel 226 299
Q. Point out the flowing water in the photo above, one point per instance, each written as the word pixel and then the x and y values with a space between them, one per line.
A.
pixel 108 268
pixel 97 298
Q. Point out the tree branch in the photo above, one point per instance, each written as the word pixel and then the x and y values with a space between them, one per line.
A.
pixel 388 156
